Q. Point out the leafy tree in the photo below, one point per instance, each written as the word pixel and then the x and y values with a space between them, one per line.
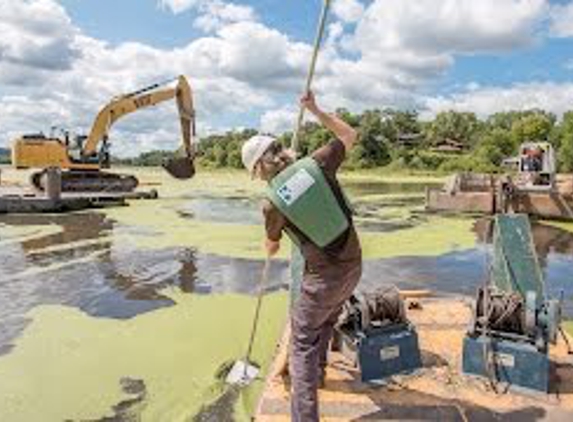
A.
pixel 565 155
pixel 532 127
pixel 396 123
pixel 312 137
pixel 495 146
pixel 371 151
pixel 461 127
pixel 488 142
pixel 350 118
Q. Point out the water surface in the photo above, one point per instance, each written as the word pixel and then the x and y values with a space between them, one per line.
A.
pixel 157 286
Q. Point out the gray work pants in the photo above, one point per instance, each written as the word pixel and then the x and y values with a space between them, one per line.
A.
pixel 313 316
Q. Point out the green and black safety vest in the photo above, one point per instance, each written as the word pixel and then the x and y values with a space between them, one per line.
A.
pixel 303 195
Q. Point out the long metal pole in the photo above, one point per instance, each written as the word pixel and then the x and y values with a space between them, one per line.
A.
pixel 260 294
pixel 317 43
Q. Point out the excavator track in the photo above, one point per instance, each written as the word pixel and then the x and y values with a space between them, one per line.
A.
pixel 89 181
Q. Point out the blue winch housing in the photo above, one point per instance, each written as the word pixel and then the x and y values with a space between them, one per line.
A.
pixel 375 334
pixel 513 321
pixel 505 361
pixel 383 352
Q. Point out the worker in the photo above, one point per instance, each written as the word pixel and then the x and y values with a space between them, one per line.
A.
pixel 533 161
pixel 331 272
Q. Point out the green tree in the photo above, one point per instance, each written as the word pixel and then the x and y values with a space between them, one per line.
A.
pixel 532 127
pixel 461 127
pixel 398 123
pixel 371 151
pixel 350 118
pixel 495 146
pixel 565 153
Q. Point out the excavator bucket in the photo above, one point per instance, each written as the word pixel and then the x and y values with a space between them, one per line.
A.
pixel 180 167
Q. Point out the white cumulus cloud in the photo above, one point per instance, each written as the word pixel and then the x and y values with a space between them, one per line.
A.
pixel 211 15
pixel 562 20
pixel 348 10
pixel 456 26
pixel 550 96
pixel 383 53
pixel 279 120
pixel 178 6
pixel 216 14
pixel 37 36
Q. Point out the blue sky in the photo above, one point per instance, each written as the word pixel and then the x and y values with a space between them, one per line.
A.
pixel 145 21
pixel 60 61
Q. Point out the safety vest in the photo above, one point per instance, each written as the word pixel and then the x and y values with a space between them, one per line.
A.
pixel 302 194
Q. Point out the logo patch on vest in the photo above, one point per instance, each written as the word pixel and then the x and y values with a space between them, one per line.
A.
pixel 294 187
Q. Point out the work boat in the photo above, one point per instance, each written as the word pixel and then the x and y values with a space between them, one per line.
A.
pixel 533 188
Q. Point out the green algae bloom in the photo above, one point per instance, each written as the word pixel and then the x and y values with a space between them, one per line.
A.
pixel 163 227
pixel 158 223
pixel 68 365
pixel 435 237
pixel 400 178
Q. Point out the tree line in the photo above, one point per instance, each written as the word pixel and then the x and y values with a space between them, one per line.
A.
pixel 452 141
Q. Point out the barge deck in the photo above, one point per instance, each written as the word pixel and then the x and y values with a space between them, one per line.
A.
pixel 438 391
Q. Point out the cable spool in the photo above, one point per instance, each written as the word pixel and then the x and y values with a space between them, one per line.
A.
pixel 380 308
pixel 505 312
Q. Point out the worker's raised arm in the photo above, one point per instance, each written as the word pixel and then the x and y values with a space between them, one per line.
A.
pixel 342 130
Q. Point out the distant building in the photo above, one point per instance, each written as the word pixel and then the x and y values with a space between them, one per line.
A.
pixel 450 146
pixel 409 140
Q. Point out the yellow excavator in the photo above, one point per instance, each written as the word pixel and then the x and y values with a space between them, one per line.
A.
pixel 82 158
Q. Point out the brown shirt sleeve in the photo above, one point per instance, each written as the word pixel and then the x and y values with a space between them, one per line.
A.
pixel 330 156
pixel 274 221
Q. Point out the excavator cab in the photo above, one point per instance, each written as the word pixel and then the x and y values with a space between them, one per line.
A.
pixel 537 165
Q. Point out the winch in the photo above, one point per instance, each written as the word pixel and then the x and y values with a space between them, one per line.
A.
pixel 513 321
pixel 375 334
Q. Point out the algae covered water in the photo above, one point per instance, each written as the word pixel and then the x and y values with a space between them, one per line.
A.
pixel 128 313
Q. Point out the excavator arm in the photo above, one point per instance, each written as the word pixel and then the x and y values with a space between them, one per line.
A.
pixel 143 98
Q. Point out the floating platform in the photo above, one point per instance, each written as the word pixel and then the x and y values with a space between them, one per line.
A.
pixel 21 201
pixel 482 194
pixel 438 391
pixel 542 205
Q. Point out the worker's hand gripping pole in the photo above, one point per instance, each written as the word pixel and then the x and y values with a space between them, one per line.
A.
pixel 317 43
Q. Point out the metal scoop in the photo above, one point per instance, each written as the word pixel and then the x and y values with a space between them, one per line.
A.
pixel 243 372
pixel 180 167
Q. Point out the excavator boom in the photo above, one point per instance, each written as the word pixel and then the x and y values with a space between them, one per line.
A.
pixel 143 98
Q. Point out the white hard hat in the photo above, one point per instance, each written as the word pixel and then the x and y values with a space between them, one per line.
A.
pixel 253 150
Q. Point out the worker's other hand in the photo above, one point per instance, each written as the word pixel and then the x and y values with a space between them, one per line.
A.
pixel 272 247
pixel 308 101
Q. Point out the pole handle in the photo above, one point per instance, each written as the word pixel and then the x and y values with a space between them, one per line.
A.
pixel 311 71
